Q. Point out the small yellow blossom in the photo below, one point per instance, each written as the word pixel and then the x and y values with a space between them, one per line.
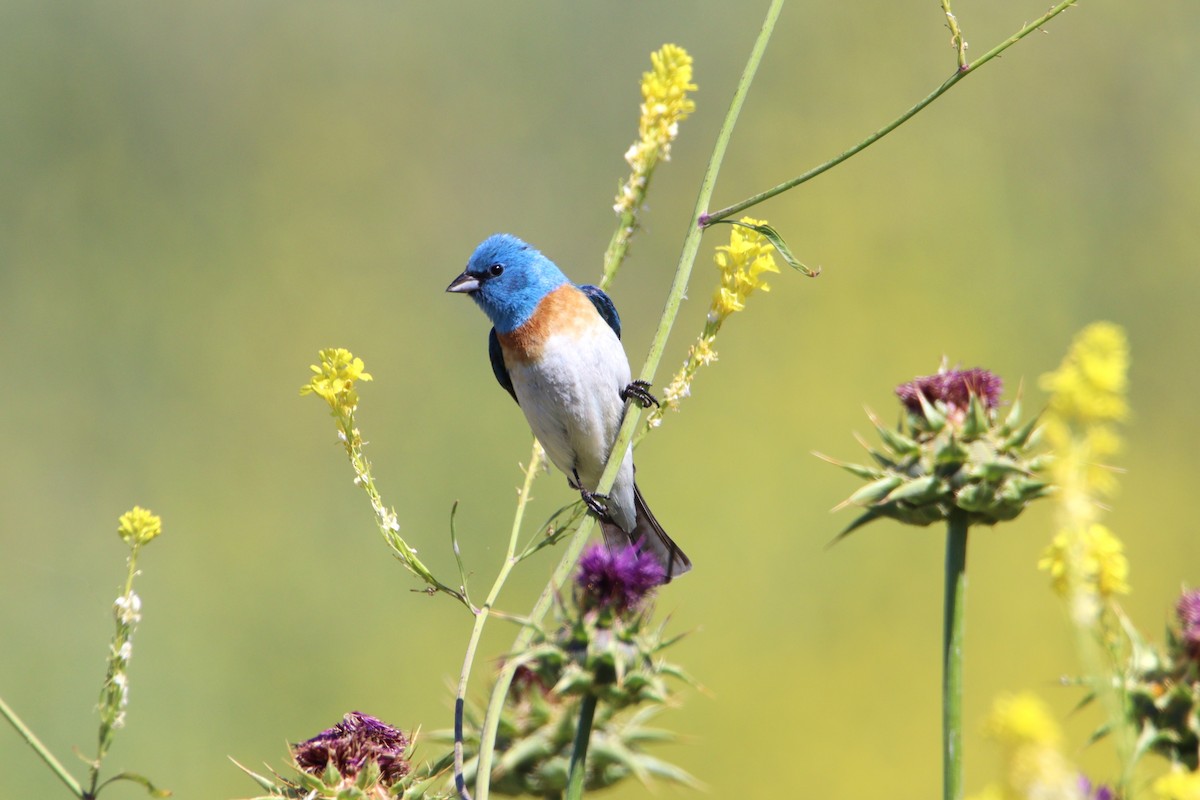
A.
pixel 665 103
pixel 1178 784
pixel 1100 565
pixel 1021 719
pixel 742 262
pixel 1031 739
pixel 335 377
pixel 1090 384
pixel 138 526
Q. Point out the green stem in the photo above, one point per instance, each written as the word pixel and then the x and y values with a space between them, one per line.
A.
pixel 33 741
pixel 956 36
pixel 583 735
pixel 964 71
pixel 683 271
pixel 481 617
pixel 952 655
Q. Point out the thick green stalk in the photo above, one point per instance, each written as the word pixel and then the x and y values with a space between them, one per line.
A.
pixel 683 271
pixel 954 624
pixel 963 72
pixel 33 741
pixel 583 735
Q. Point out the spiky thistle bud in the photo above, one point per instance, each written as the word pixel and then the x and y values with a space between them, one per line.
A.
pixel 602 647
pixel 951 452
pixel 1163 687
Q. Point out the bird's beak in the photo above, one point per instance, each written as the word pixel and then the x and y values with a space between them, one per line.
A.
pixel 465 283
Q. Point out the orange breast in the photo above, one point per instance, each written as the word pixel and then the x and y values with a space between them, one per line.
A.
pixel 566 311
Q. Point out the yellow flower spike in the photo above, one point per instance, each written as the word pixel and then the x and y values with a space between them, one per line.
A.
pixel 1090 384
pixel 138 526
pixel 665 104
pixel 1100 565
pixel 664 97
pixel 334 378
pixel 741 263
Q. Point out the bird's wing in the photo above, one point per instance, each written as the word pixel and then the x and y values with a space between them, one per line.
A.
pixel 605 306
pixel 498 368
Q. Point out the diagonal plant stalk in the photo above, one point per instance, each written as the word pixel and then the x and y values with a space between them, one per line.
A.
pixel 43 752
pixel 963 71
pixel 683 271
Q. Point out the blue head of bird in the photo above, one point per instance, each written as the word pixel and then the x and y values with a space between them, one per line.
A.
pixel 507 278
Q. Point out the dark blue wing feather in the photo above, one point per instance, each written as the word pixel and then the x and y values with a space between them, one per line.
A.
pixel 605 306
pixel 496 356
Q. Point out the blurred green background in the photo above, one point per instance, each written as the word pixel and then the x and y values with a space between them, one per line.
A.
pixel 197 196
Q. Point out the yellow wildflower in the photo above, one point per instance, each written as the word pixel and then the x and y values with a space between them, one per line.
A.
pixel 1178 784
pixel 665 103
pixel 741 263
pixel 335 377
pixel 1100 565
pixel 138 526
pixel 1022 719
pixel 664 97
pixel 1090 384
pixel 1034 766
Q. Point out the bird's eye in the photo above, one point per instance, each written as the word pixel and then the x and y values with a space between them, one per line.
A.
pixel 496 270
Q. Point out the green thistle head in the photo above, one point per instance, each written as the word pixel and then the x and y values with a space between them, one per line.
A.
pixel 952 452
pixel 1164 688
pixel 605 647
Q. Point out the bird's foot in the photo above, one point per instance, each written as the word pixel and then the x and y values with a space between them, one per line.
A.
pixel 639 392
pixel 597 503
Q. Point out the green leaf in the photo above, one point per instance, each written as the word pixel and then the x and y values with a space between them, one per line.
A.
pixel 869 516
pixel 915 490
pixel 462 570
pixel 858 470
pixel 873 492
pixel 776 240
pixel 140 780
pixel 261 780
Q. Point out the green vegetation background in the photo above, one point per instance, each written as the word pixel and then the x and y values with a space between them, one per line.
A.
pixel 196 196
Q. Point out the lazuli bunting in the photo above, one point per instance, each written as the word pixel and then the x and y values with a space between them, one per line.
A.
pixel 556 348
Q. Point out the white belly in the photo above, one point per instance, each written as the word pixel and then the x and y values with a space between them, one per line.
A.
pixel 572 400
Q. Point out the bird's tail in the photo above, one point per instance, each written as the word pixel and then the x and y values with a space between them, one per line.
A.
pixel 651 537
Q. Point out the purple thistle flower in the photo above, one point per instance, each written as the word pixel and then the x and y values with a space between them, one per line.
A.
pixel 619 581
pixel 349 745
pixel 1187 609
pixel 953 388
pixel 1095 791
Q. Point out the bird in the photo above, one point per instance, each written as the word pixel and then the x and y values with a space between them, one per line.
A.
pixel 555 346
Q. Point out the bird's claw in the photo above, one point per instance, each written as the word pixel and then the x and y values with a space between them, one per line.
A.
pixel 596 502
pixel 639 392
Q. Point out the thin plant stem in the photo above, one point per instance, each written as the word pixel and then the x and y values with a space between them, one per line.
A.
pixel 482 614
pixel 583 735
pixel 963 72
pixel 956 36
pixel 33 741
pixel 107 728
pixel 683 271
pixel 954 624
